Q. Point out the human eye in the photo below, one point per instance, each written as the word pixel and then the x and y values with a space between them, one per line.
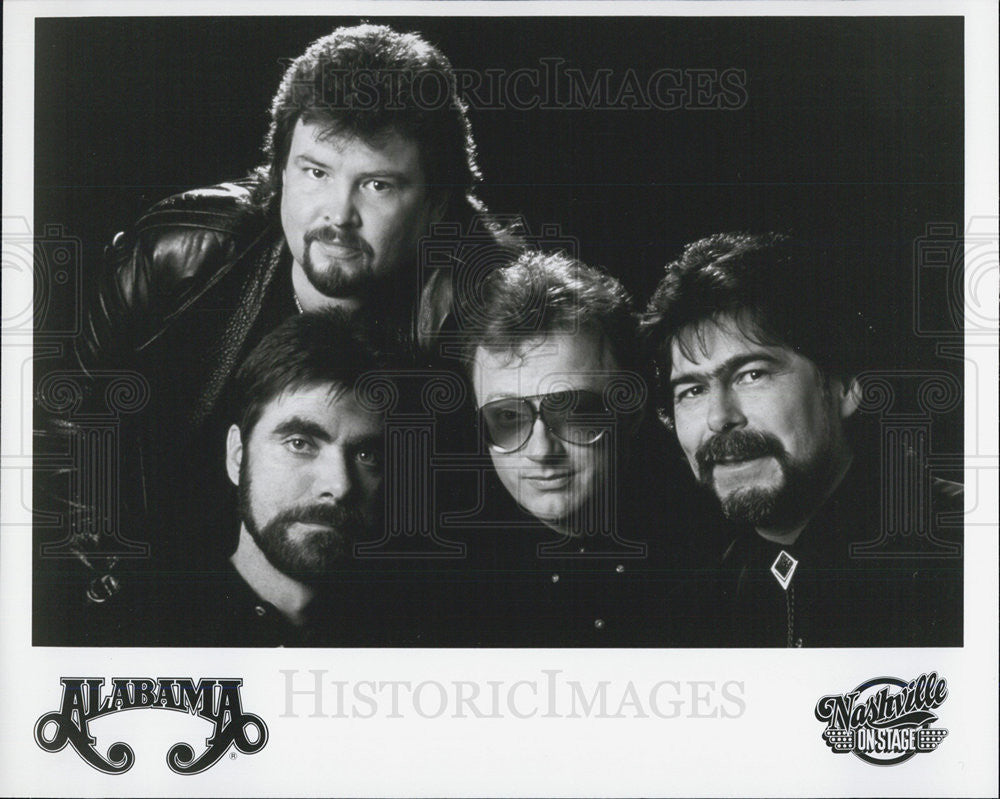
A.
pixel 299 445
pixel 379 185
pixel 750 376
pixel 314 172
pixel 687 393
pixel 369 457
pixel 510 418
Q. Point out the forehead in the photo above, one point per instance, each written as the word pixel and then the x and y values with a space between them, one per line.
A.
pixel 556 362
pixel 388 150
pixel 330 405
pixel 711 343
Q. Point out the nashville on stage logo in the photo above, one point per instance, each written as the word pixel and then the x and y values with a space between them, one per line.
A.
pixel 885 721
pixel 214 699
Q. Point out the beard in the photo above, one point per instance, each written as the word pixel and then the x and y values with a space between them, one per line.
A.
pixel 335 280
pixel 801 487
pixel 310 555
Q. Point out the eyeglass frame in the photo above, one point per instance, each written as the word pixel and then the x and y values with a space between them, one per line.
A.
pixel 536 413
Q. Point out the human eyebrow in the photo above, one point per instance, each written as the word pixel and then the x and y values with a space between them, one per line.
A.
pixel 371 442
pixel 494 396
pixel 727 367
pixel 304 427
pixel 388 175
pixel 737 363
pixel 691 376
pixel 308 161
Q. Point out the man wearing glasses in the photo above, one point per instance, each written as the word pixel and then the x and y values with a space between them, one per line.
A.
pixel 541 378
pixel 555 375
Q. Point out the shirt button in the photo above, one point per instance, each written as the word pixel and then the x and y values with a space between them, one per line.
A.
pixel 798 642
pixel 555 578
pixel 260 611
pixel 598 624
pixel 620 569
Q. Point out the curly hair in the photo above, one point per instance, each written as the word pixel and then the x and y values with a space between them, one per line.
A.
pixel 540 293
pixel 775 288
pixel 368 81
pixel 309 349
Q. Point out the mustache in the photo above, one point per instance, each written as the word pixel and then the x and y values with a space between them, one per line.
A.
pixel 328 234
pixel 737 445
pixel 341 517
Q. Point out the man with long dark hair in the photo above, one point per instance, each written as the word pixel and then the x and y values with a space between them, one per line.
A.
pixel 758 365
pixel 360 166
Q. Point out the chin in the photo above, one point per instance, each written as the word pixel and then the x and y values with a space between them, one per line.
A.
pixel 751 505
pixel 553 509
pixel 546 510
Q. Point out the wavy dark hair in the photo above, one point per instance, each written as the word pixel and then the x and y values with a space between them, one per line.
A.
pixel 368 81
pixel 776 288
pixel 540 293
pixel 311 349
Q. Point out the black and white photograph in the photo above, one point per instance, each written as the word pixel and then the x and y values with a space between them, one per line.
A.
pixel 460 396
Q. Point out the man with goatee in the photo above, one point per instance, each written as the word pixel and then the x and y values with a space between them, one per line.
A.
pixel 306 454
pixel 758 367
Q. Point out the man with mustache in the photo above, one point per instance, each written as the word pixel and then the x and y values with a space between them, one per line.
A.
pixel 758 366
pixel 359 167
pixel 306 455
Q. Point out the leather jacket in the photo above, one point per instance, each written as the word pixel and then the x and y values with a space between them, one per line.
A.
pixel 206 248
pixel 141 410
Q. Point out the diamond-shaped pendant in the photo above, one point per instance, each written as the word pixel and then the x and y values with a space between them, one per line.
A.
pixel 783 568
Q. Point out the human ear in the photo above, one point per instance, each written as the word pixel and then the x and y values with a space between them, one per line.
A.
pixel 234 454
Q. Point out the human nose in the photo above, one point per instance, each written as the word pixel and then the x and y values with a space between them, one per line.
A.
pixel 340 206
pixel 332 480
pixel 724 412
pixel 542 444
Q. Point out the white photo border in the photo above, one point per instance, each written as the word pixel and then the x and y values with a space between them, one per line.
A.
pixel 771 746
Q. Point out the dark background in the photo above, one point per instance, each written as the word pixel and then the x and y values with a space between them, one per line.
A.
pixel 852 132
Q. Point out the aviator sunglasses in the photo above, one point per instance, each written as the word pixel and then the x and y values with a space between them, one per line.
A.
pixel 576 417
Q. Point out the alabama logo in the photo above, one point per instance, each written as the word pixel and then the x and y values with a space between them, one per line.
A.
pixel 885 721
pixel 214 699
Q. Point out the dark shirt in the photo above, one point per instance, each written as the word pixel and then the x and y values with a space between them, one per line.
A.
pixel 221 609
pixel 523 584
pixel 184 295
pixel 358 605
pixel 531 586
pixel 850 586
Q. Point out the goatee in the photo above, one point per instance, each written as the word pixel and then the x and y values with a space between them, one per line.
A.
pixel 335 281
pixel 311 554
pixel 800 488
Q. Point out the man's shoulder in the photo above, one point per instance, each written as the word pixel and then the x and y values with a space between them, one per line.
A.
pixel 225 207
pixel 186 240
